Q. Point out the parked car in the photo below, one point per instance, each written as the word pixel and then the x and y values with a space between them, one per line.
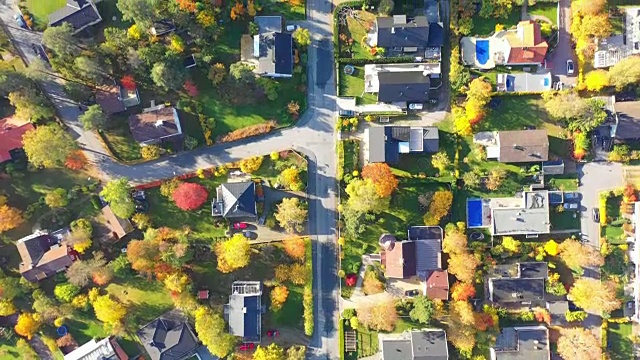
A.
pixel 20 21
pixel 570 68
pixel 412 293
pixel 347 113
pixel 625 96
pixel 292 28
pixel 596 215
pixel 571 196
pixel 139 195
pixel 141 206
pixel 240 225
pixel 273 333
pixel 570 206
pixel 246 346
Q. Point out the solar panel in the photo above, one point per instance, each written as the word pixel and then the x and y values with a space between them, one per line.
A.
pixel 416 139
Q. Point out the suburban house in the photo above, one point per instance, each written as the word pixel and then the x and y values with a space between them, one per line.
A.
pixel 44 254
pixel 386 143
pixel 11 131
pixel 524 82
pixel 517 146
pixel 270 52
pixel 417 259
pixel 402 36
pixel 424 344
pixel 105 349
pixel 169 337
pixel 611 50
pixel 626 120
pixel 518 285
pixel 155 124
pixel 402 84
pixel 114 98
pixel 523 45
pixel 118 226
pixel 235 200
pixel 244 311
pixel 522 342
pixel 80 14
pixel 525 214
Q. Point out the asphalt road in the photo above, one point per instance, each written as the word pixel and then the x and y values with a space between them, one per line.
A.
pixel 313 135
pixel 563 52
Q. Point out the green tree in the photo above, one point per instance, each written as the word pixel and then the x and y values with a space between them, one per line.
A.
pixel 364 197
pixel 302 37
pixel 385 7
pixel 169 75
pixel 241 72
pixel 31 105
pixel 56 198
pixel 565 105
pixel 270 87
pixel 594 116
pixel 48 145
pixel 210 327
pixel 422 310
pixel 292 214
pixel 118 194
pixel 89 69
pixel 60 40
pixel 77 92
pixel 142 12
pixel 66 291
pixel 93 118
pixel 217 72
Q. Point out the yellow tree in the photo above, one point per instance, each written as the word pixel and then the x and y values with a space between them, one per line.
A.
pixel 579 344
pixel 176 282
pixel 233 254
pixel 595 296
pixel 108 310
pixel 574 254
pixel 461 330
pixel 551 247
pixel 237 11
pixel 10 218
pixel 596 80
pixel 210 327
pixel 279 295
pixel 463 266
pixel 271 352
pixel 28 324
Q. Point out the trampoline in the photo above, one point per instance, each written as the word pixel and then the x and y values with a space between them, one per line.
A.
pixel 482 51
pixel 474 212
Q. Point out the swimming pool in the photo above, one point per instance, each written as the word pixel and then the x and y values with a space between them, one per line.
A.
pixel 482 51
pixel 474 212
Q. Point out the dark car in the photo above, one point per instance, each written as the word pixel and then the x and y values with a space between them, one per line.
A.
pixel 625 96
pixel 139 195
pixel 141 206
pixel 596 215
pixel 412 293
pixel 347 113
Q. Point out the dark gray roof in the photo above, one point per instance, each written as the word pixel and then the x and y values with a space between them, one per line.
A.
pixel 504 291
pixel 628 127
pixel 522 343
pixel 283 53
pixel 164 26
pixel 436 35
pixel 425 232
pixel 168 337
pixel 245 316
pixel 396 349
pixel 78 13
pixel 383 142
pixel 532 270
pixel 238 199
pixel 376 139
pixel 413 33
pixel 429 345
pixel 403 87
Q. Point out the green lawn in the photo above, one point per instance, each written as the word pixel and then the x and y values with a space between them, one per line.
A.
pixel 353 85
pixel 356 31
pixel 367 342
pixel 164 212
pixel 146 299
pixel 614 234
pixel 486 26
pixel 619 341
pixel 120 140
pixel 40 9
pixel 290 314
pixel 284 9
pixel 565 220
pixel 563 183
pixel 548 10
pixel 516 112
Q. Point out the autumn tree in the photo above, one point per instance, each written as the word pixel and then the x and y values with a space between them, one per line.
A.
pixel 250 165
pixel 440 161
pixel 381 316
pixel 237 11
pixel 463 266
pixel 177 282
pixel 233 254
pixel 625 72
pixel 579 344
pixel 118 194
pixel 565 105
pixel 108 310
pixel 82 271
pixel 551 247
pixel 56 198
pixel 150 151
pixel 423 309
pixel 279 296
pixel 66 291
pixel 462 291
pixel 295 247
pixel 128 82
pixel 190 88
pixel 371 284
pixel 292 214
pixel 575 254
pixel 596 80
pixel 187 5
pixel 142 221
pixel 10 218
pixel 297 352
pixel 382 177
pixel 7 307
pixel 27 325
pixel 302 37
pixel 455 241
pixel 190 196
pixel 364 197
pixel 595 296
pixel 511 244
pixel 48 145
pixel 471 180
pixel 439 207
pixel 142 255
pixel 290 178
pixel 76 160
pixel 495 179
pixel 210 327
pixel 271 352
pixel 461 327
pixel 217 72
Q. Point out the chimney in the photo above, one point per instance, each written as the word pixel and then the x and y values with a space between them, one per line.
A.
pixel 153 103
pixel 393 30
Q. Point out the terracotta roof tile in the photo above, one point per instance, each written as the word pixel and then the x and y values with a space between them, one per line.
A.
pixel 11 131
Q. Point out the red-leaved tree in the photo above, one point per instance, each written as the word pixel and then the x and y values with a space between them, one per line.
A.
pixel 351 279
pixel 76 160
pixel 128 82
pixel 382 177
pixel 191 88
pixel 190 196
pixel 462 291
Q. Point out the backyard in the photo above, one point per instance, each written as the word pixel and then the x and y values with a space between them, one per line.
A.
pixel 619 341
pixel 118 138
pixel 353 86
pixel 486 26
pixel 41 9
pixel 351 38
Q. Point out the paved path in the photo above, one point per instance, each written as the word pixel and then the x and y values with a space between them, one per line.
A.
pixel 40 348
pixel 557 61
pixel 313 136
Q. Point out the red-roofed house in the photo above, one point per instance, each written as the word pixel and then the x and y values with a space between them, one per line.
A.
pixel 11 131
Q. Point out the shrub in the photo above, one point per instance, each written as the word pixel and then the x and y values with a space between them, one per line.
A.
pixel 251 165
pixel 150 152
pixel 307 302
pixel 168 187
pixel 248 131
pixel 190 143
pixel 350 280
pixel 190 196
pixel 279 296
pixel 57 198
pixel 66 292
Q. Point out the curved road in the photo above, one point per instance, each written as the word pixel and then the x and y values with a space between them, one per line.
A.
pixel 313 135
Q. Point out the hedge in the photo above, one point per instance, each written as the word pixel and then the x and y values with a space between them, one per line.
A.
pixel 341 338
pixel 307 297
pixel 382 60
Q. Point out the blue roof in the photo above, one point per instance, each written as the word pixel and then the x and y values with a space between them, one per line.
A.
pixel 283 53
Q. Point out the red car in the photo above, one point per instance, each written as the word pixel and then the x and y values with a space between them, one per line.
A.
pixel 273 333
pixel 246 346
pixel 239 225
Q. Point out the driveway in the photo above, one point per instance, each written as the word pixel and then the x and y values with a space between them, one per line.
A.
pixel 557 61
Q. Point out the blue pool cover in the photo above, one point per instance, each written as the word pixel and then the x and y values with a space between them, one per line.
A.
pixel 474 212
pixel 546 82
pixel 482 51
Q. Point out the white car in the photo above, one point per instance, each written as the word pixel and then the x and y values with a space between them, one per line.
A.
pixel 570 206
pixel 292 28
pixel 570 68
